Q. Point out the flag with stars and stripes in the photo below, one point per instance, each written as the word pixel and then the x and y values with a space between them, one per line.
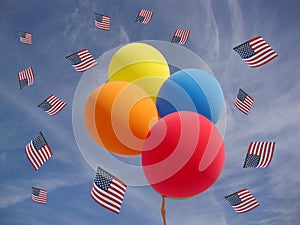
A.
pixel 102 22
pixel 26 37
pixel 243 102
pixel 256 52
pixel 26 77
pixel 38 151
pixel 52 105
pixel 180 36
pixel 259 154
pixel 82 60
pixel 144 16
pixel 108 191
pixel 39 195
pixel 242 201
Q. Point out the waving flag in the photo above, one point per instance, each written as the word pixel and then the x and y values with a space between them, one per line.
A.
pixel 82 60
pixel 39 195
pixel 242 201
pixel 144 16
pixel 52 105
pixel 259 154
pixel 180 36
pixel 108 191
pixel 26 37
pixel 26 77
pixel 256 52
pixel 102 22
pixel 38 151
pixel 243 102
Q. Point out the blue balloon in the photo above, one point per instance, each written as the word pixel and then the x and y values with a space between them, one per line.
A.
pixel 191 90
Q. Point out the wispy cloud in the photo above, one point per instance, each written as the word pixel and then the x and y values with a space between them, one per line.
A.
pixel 57 129
pixel 236 20
pixel 213 29
pixel 20 189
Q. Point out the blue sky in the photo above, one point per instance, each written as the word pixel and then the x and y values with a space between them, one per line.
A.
pixel 61 28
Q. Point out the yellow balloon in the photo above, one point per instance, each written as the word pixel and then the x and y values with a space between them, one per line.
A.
pixel 140 64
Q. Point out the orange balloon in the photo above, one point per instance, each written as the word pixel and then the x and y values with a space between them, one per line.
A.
pixel 119 116
pixel 89 112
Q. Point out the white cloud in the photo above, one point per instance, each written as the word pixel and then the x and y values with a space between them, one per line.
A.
pixel 56 128
pixel 15 191
pixel 236 19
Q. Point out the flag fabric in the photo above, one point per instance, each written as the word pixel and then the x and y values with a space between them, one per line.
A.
pixel 39 195
pixel 52 105
pixel 243 102
pixel 242 201
pixel 82 60
pixel 259 154
pixel 26 77
pixel 38 151
pixel 102 22
pixel 256 52
pixel 26 37
pixel 108 191
pixel 144 16
pixel 180 36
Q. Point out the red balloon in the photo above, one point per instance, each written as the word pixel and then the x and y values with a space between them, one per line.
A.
pixel 183 155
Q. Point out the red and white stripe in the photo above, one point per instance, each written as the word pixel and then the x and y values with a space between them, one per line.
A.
pixel 263 52
pixel 112 198
pixel 27 39
pixel 56 103
pixel 104 24
pixel 265 150
pixel 27 74
pixel 183 34
pixel 41 198
pixel 147 14
pixel 244 106
pixel 248 201
pixel 37 157
pixel 87 61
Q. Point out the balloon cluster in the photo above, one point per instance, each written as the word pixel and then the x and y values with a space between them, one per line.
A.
pixel 168 119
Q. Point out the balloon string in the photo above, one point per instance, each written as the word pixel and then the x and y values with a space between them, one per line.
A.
pixel 163 210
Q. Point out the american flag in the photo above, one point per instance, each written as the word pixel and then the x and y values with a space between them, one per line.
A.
pixel 26 77
pixel 82 60
pixel 38 151
pixel 26 37
pixel 39 195
pixel 180 36
pixel 108 191
pixel 52 105
pixel 102 22
pixel 242 201
pixel 243 102
pixel 256 52
pixel 144 16
pixel 259 154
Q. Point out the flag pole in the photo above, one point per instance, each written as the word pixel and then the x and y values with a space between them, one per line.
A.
pixel 163 210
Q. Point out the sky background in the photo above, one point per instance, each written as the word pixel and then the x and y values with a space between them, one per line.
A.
pixel 60 28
